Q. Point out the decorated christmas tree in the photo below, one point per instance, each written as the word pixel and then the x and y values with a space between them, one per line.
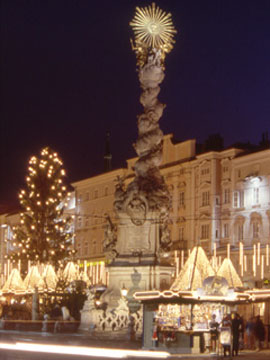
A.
pixel 44 234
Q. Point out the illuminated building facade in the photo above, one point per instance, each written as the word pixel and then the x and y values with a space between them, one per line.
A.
pixel 220 200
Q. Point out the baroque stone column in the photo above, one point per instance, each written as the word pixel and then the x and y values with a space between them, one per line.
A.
pixel 142 207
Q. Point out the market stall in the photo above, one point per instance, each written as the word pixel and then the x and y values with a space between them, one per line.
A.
pixel 178 319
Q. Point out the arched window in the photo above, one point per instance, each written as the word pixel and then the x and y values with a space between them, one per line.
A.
pixel 239 229
pixel 256 226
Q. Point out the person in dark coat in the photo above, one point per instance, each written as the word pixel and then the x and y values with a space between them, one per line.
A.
pixel 236 328
pixel 56 313
pixel 5 310
pixel 213 326
pixel 259 332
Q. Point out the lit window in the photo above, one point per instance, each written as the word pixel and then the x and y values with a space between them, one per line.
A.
pixel 256 197
pixel 79 199
pixel 238 199
pixel 205 198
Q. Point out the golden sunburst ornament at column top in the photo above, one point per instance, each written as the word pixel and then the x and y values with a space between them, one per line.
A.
pixel 153 28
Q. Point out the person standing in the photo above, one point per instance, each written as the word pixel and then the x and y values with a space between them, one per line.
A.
pixel 250 333
pixel 225 335
pixel 259 332
pixel 213 327
pixel 236 328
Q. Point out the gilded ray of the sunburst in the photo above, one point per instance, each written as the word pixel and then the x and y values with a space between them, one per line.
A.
pixel 153 28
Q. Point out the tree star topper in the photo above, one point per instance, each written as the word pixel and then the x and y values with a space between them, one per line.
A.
pixel 153 29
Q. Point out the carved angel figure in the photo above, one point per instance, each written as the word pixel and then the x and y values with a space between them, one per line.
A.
pixel 110 238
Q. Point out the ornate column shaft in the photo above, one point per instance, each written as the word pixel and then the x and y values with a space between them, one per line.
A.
pixel 143 207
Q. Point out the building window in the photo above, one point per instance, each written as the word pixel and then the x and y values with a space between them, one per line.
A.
pixel 238 199
pixel 94 247
pixel 182 199
pixel 87 221
pixel 87 196
pixel 85 250
pixel 205 198
pixel 256 197
pixel 226 230
pixel 256 229
pixel 240 232
pixel 106 191
pixel 79 222
pixel 205 171
pixel 79 198
pixel 78 247
pixel 205 232
pixel 181 233
pixel 226 195
pixel 225 169
pixel 95 194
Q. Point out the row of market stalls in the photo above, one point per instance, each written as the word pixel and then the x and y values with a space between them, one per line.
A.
pixel 178 319
pixel 41 279
pixel 41 291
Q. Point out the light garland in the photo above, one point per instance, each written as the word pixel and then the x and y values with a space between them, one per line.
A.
pixel 43 199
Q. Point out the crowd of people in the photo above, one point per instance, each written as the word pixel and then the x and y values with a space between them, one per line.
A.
pixel 234 332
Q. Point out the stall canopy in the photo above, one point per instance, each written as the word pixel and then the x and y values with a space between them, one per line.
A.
pixel 71 272
pixel 195 270
pixel 197 283
pixel 33 279
pixel 14 283
pixel 50 278
pixel 228 271
pixel 86 279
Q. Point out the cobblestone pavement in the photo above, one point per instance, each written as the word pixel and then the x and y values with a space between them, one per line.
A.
pixel 120 341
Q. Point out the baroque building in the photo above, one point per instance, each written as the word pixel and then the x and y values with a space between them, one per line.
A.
pixel 220 200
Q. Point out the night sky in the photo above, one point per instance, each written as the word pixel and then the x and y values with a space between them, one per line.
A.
pixel 68 75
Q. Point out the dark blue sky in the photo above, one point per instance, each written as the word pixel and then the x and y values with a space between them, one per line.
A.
pixel 68 74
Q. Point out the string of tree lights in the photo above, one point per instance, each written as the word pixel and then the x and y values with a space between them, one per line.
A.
pixel 44 234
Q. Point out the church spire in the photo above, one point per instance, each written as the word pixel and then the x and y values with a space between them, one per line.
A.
pixel 107 154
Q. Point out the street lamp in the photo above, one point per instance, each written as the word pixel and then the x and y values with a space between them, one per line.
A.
pixel 124 291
